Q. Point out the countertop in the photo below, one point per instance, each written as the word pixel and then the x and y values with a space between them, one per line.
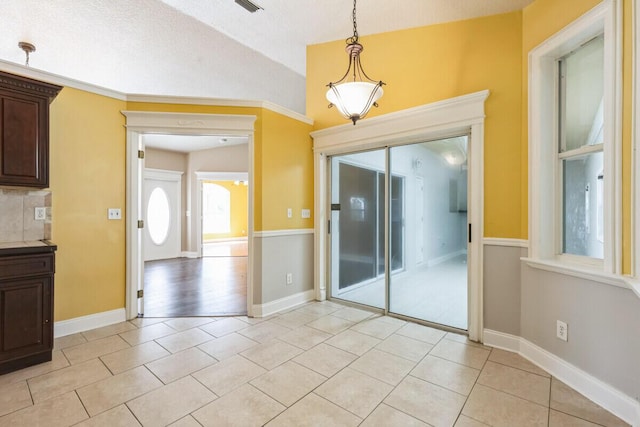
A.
pixel 28 247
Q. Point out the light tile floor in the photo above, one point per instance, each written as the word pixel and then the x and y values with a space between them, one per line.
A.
pixel 318 365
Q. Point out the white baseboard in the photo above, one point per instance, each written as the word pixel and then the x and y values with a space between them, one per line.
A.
pixel 186 254
pixel 610 398
pixel 264 310
pixel 445 258
pixel 501 340
pixel 85 323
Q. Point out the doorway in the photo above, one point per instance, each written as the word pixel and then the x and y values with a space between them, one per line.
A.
pixel 463 115
pixel 140 123
pixel 386 201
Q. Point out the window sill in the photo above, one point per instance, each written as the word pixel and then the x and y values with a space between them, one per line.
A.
pixel 582 272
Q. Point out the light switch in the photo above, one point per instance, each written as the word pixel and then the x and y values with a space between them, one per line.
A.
pixel 289 213
pixel 114 213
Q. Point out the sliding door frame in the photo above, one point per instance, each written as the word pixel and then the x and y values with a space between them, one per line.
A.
pixel 439 120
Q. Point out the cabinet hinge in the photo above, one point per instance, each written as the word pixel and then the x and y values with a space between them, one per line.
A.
pixel 140 223
pixel 140 293
pixel 140 154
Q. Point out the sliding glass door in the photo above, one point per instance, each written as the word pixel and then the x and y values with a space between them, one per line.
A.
pixel 417 195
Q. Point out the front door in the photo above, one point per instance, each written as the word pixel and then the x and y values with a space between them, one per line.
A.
pixel 162 200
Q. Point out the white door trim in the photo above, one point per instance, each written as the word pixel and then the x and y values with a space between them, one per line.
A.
pixel 141 122
pixel 211 176
pixel 451 117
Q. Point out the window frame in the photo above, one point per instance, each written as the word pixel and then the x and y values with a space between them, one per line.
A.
pixel 545 195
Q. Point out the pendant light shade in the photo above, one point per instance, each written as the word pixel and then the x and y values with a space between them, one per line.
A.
pixel 355 93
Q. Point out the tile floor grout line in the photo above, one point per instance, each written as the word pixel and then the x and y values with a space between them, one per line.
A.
pixel 519 369
pixel 466 400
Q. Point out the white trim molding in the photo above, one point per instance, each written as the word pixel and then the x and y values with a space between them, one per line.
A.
pixel 273 307
pixel 163 174
pixel 86 323
pixel 189 254
pixel 219 102
pixel 610 398
pixel 281 233
pixel 452 117
pixel 140 122
pixel 597 276
pixel 45 76
pixel 515 243
pixel 221 176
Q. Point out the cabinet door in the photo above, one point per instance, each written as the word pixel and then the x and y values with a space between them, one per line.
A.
pixel 24 151
pixel 25 311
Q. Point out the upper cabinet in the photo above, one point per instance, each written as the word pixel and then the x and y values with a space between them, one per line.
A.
pixel 24 130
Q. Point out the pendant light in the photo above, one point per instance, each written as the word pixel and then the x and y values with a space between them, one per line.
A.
pixel 355 93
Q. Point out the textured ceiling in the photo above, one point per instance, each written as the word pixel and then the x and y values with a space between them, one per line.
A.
pixel 205 48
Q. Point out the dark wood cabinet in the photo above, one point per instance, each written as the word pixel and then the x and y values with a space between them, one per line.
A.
pixel 24 130
pixel 26 306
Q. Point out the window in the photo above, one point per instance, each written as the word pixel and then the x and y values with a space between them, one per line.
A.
pixel 158 216
pixel 581 146
pixel 574 145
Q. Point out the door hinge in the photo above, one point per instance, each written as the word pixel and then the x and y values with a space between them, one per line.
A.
pixel 140 293
pixel 469 233
pixel 140 223
pixel 140 154
pixel 328 226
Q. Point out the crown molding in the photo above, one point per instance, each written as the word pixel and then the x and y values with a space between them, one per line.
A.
pixel 220 102
pixel 33 73
pixel 56 79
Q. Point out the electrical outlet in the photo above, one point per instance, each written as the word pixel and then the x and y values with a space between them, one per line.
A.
pixel 306 213
pixel 40 214
pixel 562 330
pixel 289 279
pixel 114 213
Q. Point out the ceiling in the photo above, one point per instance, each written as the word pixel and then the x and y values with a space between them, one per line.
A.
pixel 189 143
pixel 205 48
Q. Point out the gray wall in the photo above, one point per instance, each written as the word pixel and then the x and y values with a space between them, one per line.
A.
pixel 603 325
pixel 274 257
pixel 603 320
pixel 502 288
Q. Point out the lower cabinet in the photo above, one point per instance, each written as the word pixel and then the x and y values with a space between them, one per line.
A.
pixel 26 310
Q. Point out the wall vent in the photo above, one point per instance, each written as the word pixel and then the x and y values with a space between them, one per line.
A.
pixel 250 6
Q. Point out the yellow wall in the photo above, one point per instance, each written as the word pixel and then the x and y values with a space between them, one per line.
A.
pixel 87 175
pixel 239 210
pixel 542 19
pixel 433 63
pixel 286 164
pixel 283 163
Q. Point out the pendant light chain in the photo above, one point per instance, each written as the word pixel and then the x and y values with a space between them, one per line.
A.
pixel 354 39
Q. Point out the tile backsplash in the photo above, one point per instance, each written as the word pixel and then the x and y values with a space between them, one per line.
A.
pixel 17 215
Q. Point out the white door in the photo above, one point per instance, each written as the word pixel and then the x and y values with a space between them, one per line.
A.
pixel 162 228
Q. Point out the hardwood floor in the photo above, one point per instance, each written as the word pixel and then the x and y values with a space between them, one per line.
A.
pixel 209 286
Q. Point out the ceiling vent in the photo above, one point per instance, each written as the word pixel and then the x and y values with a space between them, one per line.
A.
pixel 251 7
